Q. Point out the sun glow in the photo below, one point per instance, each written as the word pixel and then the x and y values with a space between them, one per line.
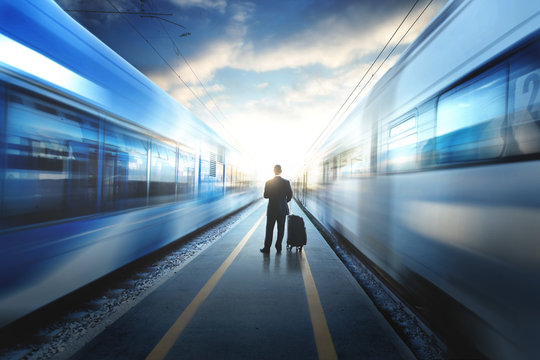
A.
pixel 272 147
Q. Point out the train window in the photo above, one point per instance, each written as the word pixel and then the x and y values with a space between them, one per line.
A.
pixel 524 102
pixel 334 167
pixel 212 171
pixel 345 166
pixel 186 175
pixel 220 168
pixel 402 143
pixel 233 180
pixel 211 175
pixel 15 99
pixel 46 109
pixel 327 173
pixel 470 119
pixel 348 164
pixel 125 162
pixel 51 167
pixel 229 177
pixel 162 172
pixel 216 165
pixel 358 165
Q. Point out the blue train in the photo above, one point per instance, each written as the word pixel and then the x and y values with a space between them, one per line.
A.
pixel 435 176
pixel 98 165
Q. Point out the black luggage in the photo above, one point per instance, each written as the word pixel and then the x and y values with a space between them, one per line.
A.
pixel 296 232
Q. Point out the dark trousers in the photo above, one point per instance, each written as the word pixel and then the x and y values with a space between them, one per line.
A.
pixel 270 221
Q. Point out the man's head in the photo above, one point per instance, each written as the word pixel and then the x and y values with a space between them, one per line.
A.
pixel 277 169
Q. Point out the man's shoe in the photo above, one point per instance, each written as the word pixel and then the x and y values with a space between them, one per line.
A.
pixel 278 249
pixel 265 251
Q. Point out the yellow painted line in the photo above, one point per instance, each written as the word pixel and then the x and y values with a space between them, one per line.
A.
pixel 323 339
pixel 166 343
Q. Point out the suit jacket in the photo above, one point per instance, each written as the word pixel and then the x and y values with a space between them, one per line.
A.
pixel 278 191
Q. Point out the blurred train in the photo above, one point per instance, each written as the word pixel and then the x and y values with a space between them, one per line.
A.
pixel 435 176
pixel 98 165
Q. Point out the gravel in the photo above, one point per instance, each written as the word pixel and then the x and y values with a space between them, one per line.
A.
pixel 69 334
pixel 421 341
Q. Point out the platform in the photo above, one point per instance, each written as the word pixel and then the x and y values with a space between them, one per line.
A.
pixel 233 302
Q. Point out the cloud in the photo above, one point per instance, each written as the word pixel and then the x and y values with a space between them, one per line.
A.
pixel 216 54
pixel 329 57
pixel 332 42
pixel 242 12
pixel 218 5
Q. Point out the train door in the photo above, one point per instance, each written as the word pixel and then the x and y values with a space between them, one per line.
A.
pixel 77 167
pixel 81 184
pixel 2 148
pixel 186 175
pixel 115 185
pixel 120 179
pixel 125 168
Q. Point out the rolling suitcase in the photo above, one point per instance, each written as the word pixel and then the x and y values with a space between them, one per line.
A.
pixel 296 232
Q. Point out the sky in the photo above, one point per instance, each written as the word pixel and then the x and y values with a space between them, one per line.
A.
pixel 269 76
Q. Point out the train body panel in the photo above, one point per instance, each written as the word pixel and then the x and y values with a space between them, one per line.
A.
pixel 434 176
pixel 55 259
pixel 99 166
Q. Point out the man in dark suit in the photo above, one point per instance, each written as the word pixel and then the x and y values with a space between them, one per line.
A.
pixel 278 191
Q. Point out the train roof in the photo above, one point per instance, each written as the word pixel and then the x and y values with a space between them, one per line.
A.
pixel 60 53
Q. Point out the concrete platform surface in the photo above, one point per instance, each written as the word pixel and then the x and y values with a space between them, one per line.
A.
pixel 233 302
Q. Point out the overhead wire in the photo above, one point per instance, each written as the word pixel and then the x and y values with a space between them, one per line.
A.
pixel 178 52
pixel 116 12
pixel 390 53
pixel 364 76
pixel 172 69
pixel 160 18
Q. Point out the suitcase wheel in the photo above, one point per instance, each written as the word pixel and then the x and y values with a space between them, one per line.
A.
pixel 289 247
pixel 299 248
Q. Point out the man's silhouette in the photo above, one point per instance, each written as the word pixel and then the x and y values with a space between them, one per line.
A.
pixel 278 192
